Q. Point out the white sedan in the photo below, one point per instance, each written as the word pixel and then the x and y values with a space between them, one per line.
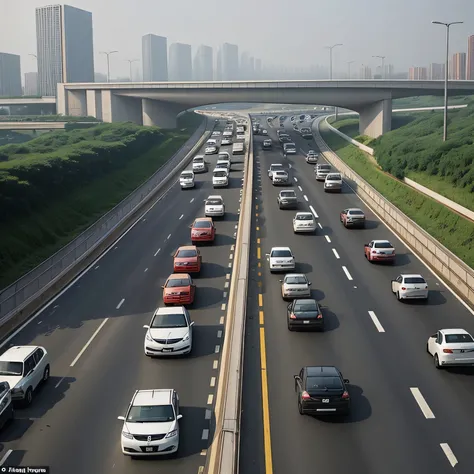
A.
pixel 410 286
pixel 304 222
pixel 295 285
pixel 281 259
pixel 451 347
pixel 214 206
pixel 226 141
pixel 210 150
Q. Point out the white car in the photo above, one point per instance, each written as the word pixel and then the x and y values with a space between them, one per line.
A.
pixel 151 425
pixel 321 171
pixel 220 178
pixel 304 222
pixel 295 285
pixel 274 167
pixel 410 286
pixel 214 206
pixel 24 368
pixel 333 182
pixel 240 136
pixel 281 259
pixel 170 332
pixel 264 132
pixel 451 347
pixel 216 133
pixel 227 133
pixel 186 180
pixel 210 150
pixel 199 165
pixel 211 142
pixel 226 141
pixel 289 148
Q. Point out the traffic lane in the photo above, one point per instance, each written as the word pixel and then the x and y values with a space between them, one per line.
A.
pixel 186 374
pixel 380 404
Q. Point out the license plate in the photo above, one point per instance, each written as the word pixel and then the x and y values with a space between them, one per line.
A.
pixel 167 350
pixel 305 322
pixel 149 449
pixel 325 400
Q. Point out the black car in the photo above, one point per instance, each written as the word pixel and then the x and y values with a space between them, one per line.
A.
pixel 305 314
pixel 322 391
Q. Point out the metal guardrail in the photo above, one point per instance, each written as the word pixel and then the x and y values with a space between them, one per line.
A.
pixel 32 283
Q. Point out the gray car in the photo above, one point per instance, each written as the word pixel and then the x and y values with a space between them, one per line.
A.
pixel 287 199
pixel 280 178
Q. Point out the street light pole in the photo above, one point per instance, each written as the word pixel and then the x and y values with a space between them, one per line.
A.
pixel 349 68
pixel 130 61
pixel 108 53
pixel 446 75
pixel 383 64
pixel 330 58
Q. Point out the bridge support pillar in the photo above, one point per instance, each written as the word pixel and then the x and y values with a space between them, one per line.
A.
pixel 116 108
pixel 160 114
pixel 376 119
pixel 76 103
pixel 94 104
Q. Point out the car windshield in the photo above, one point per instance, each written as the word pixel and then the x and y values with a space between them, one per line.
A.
pixel 198 160
pixel 287 194
pixel 414 280
pixel 267 142
pixel 279 173
pixel 281 253
pixel 177 282
pixel 356 213
pixel 150 414
pixel 186 253
pixel 295 280
pixel 306 307
pixel 322 383
pixel 324 167
pixel 187 175
pixel 221 165
pixel 169 321
pixel 290 146
pixel 334 177
pixel 457 338
pixel 11 368
pixel 276 167
pixel 223 156
pixel 383 245
pixel 214 202
pixel 202 225
pixel 220 174
pixel 304 217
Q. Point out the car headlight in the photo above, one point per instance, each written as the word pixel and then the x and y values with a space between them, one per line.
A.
pixel 171 434
pixel 17 390
pixel 186 338
pixel 148 337
pixel 127 435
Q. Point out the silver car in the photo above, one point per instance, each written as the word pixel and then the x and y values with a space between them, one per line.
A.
pixel 321 171
pixel 280 177
pixel 333 183
pixel 295 285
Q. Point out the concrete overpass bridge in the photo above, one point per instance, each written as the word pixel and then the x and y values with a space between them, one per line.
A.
pixel 11 125
pixel 158 103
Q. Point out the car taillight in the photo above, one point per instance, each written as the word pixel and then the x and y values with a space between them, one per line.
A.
pixel 320 316
pixel 403 288
pixel 447 351
pixel 345 395
pixel 305 395
pixel 374 251
pixel 292 316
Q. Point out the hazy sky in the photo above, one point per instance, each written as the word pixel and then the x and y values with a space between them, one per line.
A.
pixel 279 32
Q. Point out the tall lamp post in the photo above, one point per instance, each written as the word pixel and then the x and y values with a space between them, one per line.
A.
pixel 349 68
pixel 446 75
pixel 330 58
pixel 383 65
pixel 130 62
pixel 108 53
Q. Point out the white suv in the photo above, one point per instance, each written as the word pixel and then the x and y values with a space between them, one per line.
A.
pixel 151 426
pixel 24 368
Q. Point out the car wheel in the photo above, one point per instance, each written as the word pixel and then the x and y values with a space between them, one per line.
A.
pixel 436 361
pixel 300 407
pixel 46 374
pixel 398 296
pixel 28 396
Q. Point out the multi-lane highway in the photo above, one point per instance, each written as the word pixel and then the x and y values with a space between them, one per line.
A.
pixel 94 334
pixel 406 415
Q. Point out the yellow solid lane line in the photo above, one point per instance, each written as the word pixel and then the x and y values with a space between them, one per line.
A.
pixel 267 442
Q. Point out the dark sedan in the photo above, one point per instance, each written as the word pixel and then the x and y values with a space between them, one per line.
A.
pixel 305 314
pixel 322 391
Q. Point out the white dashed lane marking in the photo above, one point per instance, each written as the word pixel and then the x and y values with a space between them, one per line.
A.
pixel 449 454
pixel 157 252
pixel 210 399
pixel 296 180
pixel 315 214
pixel 327 238
pixel 320 226
pixel 182 215
pixel 121 303
pixel 334 251
pixel 191 200
pixel 420 399
pixel 376 321
pixel 300 188
pixel 348 275
pixel 305 198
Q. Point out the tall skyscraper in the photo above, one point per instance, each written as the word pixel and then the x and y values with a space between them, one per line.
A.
pixel 154 58
pixel 470 59
pixel 417 73
pixel 458 67
pixel 10 75
pixel 31 84
pixel 436 72
pixel 230 62
pixel 365 72
pixel 65 48
pixel 218 70
pixel 181 64
pixel 203 62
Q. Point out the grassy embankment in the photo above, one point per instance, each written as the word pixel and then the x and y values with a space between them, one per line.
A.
pixel 452 230
pixel 55 186
pixel 429 101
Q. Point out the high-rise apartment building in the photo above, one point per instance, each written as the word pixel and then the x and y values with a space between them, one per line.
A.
pixel 230 62
pixel 31 84
pixel 65 50
pixel 437 72
pixel 365 72
pixel 470 59
pixel 10 75
pixel 154 58
pixel 417 73
pixel 458 67
pixel 203 62
pixel 218 70
pixel 180 63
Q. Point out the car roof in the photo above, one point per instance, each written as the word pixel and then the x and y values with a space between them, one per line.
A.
pixel 453 331
pixel 354 209
pixel 187 171
pixel 203 219
pixel 305 300
pixel 161 396
pixel 295 275
pixel 382 241
pixel 214 196
pixel 322 371
pixel 178 276
pixel 411 275
pixel 18 353
pixel 171 310
pixel 199 157
pixel 334 174
pixel 187 247
pixel 304 214
pixel 288 191
pixel 281 248
pixel 276 164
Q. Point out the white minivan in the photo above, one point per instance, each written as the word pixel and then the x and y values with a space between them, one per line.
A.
pixel 220 178
pixel 186 179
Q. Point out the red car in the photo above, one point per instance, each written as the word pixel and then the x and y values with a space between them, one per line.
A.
pixel 187 259
pixel 203 230
pixel 179 289
pixel 379 251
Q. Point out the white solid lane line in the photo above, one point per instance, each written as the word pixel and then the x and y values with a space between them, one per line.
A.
pixel 348 275
pixel 334 251
pixel 88 342
pixel 305 198
pixel 449 454
pixel 121 303
pixel 327 238
pixel 376 321
pixel 2 461
pixel 424 407
pixel 315 214
pixel 300 188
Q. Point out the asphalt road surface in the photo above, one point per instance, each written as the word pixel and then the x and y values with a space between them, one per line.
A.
pixel 407 417
pixel 94 335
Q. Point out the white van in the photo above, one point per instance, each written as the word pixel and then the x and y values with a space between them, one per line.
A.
pixel 238 148
pixel 220 178
pixel 186 179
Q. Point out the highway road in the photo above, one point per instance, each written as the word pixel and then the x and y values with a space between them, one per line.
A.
pixel 407 416
pixel 94 334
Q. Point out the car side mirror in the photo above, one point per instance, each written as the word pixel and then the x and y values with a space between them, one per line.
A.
pixel 296 377
pixel 121 418
pixel 434 336
pixel 309 283
pixel 146 326
pixel 179 417
pixel 392 280
pixel 347 381
pixel 163 286
pixel 281 281
pixel 191 323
